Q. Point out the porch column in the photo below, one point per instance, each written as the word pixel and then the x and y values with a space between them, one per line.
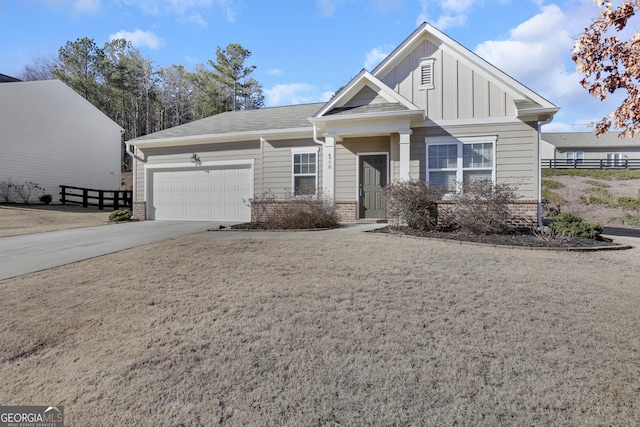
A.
pixel 405 154
pixel 328 165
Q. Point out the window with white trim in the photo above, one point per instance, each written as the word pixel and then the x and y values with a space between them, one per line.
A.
pixel 574 157
pixel 305 172
pixel 427 71
pixel 613 159
pixel 451 161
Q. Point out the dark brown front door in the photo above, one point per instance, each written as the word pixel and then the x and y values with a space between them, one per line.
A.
pixel 373 177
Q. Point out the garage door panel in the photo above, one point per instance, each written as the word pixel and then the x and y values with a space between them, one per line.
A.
pixel 211 194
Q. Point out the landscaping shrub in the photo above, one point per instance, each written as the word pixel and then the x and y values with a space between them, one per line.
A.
pixel 483 208
pixel 572 225
pixel 46 199
pixel 295 213
pixel 7 190
pixel 628 219
pixel 120 215
pixel 413 202
pixel 26 190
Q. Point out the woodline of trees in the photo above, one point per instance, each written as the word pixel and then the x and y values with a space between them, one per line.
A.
pixel 143 98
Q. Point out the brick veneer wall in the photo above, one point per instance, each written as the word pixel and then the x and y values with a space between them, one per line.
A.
pixel 347 210
pixel 140 211
pixel 525 212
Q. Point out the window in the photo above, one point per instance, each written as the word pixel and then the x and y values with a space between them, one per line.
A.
pixel 451 161
pixel 427 73
pixel 613 159
pixel 305 166
pixel 574 157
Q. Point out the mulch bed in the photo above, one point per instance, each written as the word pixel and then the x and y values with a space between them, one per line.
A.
pixel 516 238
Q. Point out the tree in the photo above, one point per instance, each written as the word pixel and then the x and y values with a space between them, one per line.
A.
pixel 610 64
pixel 40 69
pixel 80 66
pixel 235 79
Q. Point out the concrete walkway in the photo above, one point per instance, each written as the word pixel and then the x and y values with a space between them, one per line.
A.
pixel 35 252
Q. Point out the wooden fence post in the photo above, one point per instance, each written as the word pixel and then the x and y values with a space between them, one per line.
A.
pixel 85 198
pixel 116 200
pixel 101 200
pixel 63 193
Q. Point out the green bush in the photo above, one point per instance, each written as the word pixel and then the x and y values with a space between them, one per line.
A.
pixel 413 202
pixel 120 215
pixel 628 203
pixel 550 183
pixel 628 219
pixel 572 225
pixel 46 199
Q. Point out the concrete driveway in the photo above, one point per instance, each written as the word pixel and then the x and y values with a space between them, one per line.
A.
pixel 34 252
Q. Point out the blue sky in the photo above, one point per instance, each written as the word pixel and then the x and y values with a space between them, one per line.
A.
pixel 305 49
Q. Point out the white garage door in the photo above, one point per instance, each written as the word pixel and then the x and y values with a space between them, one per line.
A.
pixel 202 194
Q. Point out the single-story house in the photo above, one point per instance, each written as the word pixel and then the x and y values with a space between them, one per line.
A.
pixel 432 110
pixel 47 134
pixel 607 150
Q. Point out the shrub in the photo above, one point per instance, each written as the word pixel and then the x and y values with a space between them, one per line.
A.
pixel 550 183
pixel 120 215
pixel 413 202
pixel 572 225
pixel 483 208
pixel 628 219
pixel 7 190
pixel 26 190
pixel 295 213
pixel 46 199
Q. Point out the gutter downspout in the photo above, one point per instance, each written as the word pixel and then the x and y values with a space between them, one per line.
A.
pixel 540 124
pixel 315 135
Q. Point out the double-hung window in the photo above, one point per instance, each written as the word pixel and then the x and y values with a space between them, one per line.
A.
pixel 613 159
pixel 574 157
pixel 451 161
pixel 305 171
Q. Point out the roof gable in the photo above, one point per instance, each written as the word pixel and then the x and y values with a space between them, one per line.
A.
pixel 406 55
pixel 365 94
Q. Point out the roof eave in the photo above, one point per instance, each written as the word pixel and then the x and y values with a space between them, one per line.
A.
pixel 219 138
pixel 537 114
pixel 368 116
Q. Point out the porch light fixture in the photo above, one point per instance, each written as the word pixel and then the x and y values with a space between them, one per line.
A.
pixel 195 158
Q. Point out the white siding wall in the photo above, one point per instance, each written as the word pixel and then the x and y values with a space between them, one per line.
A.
pixel 52 136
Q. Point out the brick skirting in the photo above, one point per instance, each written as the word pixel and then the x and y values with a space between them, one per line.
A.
pixel 140 211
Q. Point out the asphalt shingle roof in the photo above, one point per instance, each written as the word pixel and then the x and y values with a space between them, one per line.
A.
pixel 293 116
pixel 588 140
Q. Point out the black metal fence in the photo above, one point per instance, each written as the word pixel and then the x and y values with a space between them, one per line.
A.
pixel 116 199
pixel 590 164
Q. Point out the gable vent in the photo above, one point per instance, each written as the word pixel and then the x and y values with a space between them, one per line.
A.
pixel 426 73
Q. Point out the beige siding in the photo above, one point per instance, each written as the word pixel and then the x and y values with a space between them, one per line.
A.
pixel 459 93
pixel 516 152
pixel 52 136
pixel 347 162
pixel 278 170
pixel 366 96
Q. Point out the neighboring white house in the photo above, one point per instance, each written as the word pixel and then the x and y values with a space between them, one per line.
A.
pixel 576 148
pixel 52 136
pixel 432 110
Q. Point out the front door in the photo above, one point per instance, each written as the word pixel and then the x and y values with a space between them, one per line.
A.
pixel 373 177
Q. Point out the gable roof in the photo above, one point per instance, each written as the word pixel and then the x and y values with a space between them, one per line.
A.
pixel 589 140
pixel 247 124
pixel 4 78
pixel 527 101
pixel 388 101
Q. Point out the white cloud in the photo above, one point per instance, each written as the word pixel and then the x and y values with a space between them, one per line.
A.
pixel 197 19
pixel 274 72
pixel 139 38
pixel 328 7
pixel 294 93
pixel 447 21
pixel 457 6
pixel 77 7
pixel 375 56
pixel 182 8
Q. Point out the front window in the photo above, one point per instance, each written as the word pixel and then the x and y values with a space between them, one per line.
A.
pixel 305 166
pixel 451 161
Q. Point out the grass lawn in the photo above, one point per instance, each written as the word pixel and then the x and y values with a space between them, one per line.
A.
pixel 327 329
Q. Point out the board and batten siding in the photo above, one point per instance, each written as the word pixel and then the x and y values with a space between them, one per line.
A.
pixel 516 152
pixel 52 136
pixel 459 93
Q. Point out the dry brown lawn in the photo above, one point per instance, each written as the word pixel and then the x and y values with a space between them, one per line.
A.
pixel 232 328
pixel 20 219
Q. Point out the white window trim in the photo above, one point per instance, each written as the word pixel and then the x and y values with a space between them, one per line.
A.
pixel 428 63
pixel 303 150
pixel 575 157
pixel 441 140
pixel 614 159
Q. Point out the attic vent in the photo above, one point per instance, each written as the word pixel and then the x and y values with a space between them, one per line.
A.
pixel 426 73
